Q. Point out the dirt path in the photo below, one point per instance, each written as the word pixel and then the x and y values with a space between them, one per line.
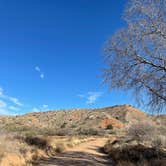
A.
pixel 85 154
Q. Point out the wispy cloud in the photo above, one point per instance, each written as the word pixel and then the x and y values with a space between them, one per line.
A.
pixel 41 74
pixel 44 107
pixel 6 101
pixel 13 108
pixel 37 68
pixel 91 97
pixel 2 104
pixel 9 98
pixel 35 109
pixel 15 101
pixel 3 111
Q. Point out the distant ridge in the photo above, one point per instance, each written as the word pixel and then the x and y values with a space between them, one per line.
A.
pixel 74 120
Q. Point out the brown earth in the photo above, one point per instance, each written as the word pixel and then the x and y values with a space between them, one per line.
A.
pixel 85 154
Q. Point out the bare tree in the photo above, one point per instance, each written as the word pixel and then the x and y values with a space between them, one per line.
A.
pixel 142 131
pixel 136 55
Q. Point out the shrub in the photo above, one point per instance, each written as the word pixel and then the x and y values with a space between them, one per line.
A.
pixel 62 132
pixel 30 134
pixel 141 131
pixel 159 141
pixel 109 127
pixel 63 125
pixel 35 157
pixel 36 141
pixel 90 131
pixel 60 148
pixel 1 152
pixel 137 156
pixel 49 131
pixel 23 150
pixel 73 126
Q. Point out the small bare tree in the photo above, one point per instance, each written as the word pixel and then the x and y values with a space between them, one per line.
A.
pixel 136 55
pixel 142 131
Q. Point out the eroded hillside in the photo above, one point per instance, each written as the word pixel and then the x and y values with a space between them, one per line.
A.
pixel 76 121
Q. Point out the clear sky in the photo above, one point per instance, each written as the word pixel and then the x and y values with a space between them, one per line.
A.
pixel 51 54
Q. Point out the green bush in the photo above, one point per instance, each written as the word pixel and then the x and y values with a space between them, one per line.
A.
pixel 109 127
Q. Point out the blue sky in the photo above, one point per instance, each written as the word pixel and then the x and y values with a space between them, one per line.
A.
pixel 51 54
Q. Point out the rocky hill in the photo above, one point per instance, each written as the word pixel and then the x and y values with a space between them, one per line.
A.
pixel 27 138
pixel 76 121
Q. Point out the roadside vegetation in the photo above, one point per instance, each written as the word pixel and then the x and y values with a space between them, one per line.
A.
pixel 23 150
pixel 127 128
pixel 143 143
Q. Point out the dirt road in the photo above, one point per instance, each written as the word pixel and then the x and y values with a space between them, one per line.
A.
pixel 85 154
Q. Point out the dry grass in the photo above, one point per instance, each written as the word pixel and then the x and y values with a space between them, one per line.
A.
pixel 24 150
pixel 138 156
pixel 10 150
pixel 142 145
pixel 45 134
pixel 159 141
pixel 60 148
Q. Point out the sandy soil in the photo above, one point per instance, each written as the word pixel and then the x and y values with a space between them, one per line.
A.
pixel 85 154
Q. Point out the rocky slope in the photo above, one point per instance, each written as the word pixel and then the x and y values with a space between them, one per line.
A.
pixel 76 121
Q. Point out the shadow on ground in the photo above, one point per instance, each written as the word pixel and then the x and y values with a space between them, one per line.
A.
pixel 76 159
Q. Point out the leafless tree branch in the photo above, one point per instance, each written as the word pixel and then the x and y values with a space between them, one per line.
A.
pixel 136 55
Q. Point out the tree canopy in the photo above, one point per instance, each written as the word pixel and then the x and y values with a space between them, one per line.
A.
pixel 136 54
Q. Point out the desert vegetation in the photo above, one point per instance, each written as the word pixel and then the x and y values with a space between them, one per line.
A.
pixel 21 150
pixel 72 122
pixel 142 144
pixel 135 59
pixel 128 130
